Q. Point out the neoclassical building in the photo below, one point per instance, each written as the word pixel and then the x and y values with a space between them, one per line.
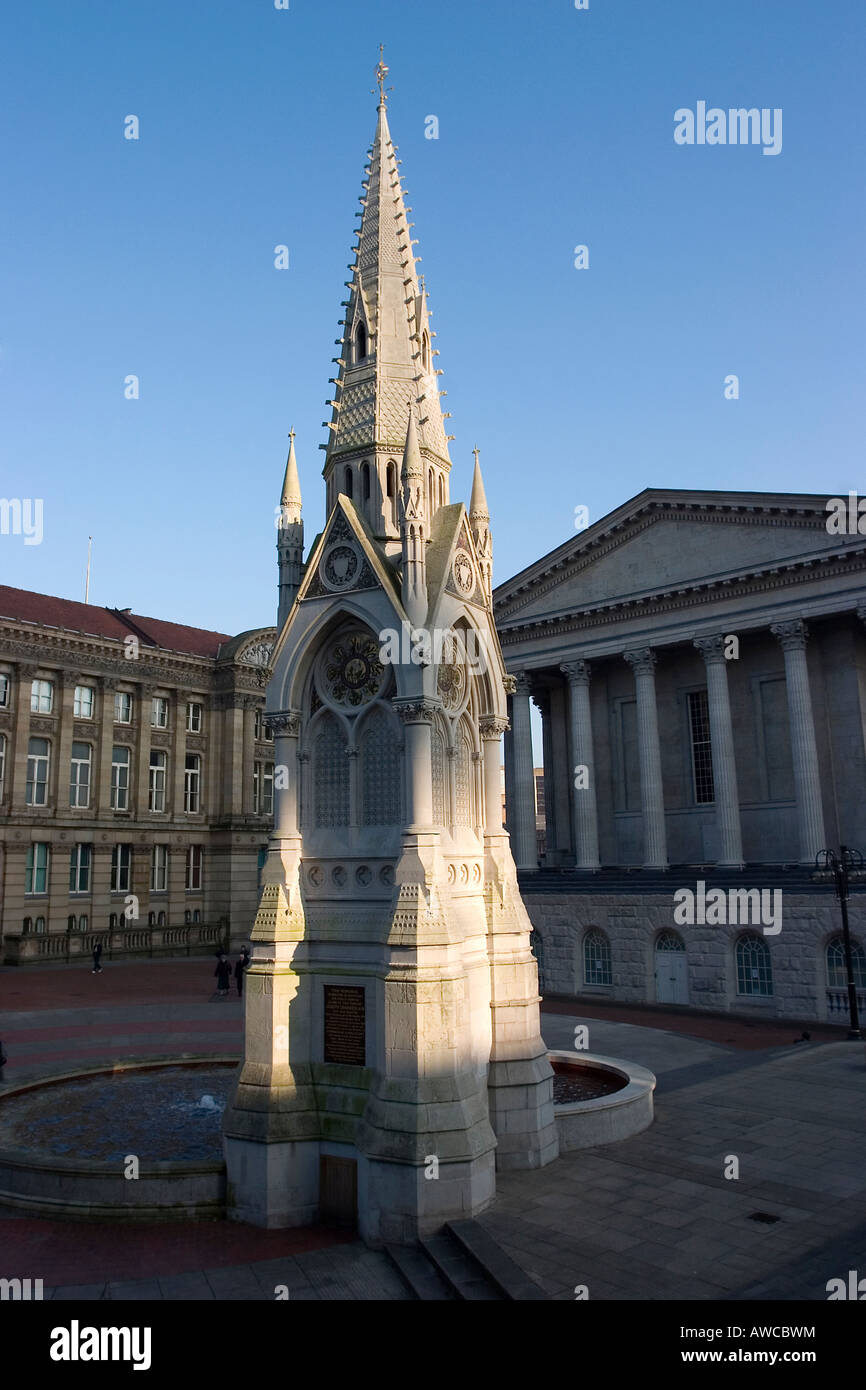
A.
pixel 136 781
pixel 699 662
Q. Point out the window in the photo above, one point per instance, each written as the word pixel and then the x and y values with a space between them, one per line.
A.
pixel 82 705
pixel 159 869
pixel 36 872
pixel 196 914
pixel 41 697
pixel 79 869
pixel 257 726
pixel 348 482
pixel 263 789
pixel 360 343
pixel 187 917
pixel 160 921
pixel 40 924
pixel 119 778
pixel 120 857
pixel 192 783
pixel 79 775
pixel 330 779
pixel 365 481
pixel 702 753
pixel 2 762
pixel 754 972
pixel 193 868
pixel 156 791
pixel 151 919
pixel 4 691
pixel 70 923
pixel 112 921
pixel 36 791
pixel 122 707
pixel 159 712
pixel 837 974
pixel 82 922
pixel 596 959
pixel 193 717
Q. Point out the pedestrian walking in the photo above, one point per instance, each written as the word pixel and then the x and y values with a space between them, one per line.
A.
pixel 243 961
pixel 97 957
pixel 223 973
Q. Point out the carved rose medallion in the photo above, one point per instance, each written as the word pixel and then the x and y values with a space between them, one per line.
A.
pixel 464 575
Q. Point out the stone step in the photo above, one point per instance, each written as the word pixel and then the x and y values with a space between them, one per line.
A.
pixel 460 1269
pixel 419 1273
pixel 500 1268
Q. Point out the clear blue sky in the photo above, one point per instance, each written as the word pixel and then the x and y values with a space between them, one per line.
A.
pixel 155 257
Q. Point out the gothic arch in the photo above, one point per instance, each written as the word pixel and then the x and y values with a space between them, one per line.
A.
pixel 330 779
pixel 379 745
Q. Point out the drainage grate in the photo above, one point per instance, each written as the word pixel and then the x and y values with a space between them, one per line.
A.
pixel 766 1217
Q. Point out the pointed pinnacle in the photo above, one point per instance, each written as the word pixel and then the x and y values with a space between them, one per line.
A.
pixel 291 482
pixel 478 501
pixel 412 465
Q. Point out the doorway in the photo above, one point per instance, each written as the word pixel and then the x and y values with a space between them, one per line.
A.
pixel 338 1191
pixel 671 969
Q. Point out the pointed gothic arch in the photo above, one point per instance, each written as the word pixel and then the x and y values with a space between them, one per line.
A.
pixel 379 745
pixel 330 780
pixel 360 342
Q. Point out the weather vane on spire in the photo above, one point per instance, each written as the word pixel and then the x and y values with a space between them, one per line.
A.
pixel 292 434
pixel 382 71
pixel 476 451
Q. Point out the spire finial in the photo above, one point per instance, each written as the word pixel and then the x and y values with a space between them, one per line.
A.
pixel 382 71
pixel 292 434
pixel 476 451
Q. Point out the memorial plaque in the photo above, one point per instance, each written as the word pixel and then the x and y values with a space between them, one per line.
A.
pixel 345 1025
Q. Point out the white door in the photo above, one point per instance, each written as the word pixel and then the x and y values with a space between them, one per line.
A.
pixel 672 981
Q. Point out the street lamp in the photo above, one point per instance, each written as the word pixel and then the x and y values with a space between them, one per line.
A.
pixel 843 868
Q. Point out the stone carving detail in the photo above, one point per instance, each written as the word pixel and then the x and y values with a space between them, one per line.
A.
pixel 463 781
pixel 522 684
pixel 256 654
pixel 386 875
pixel 510 684
pixel 315 875
pixel 381 772
pixel 792 635
pixel 84 730
pixel 363 875
pixel 194 743
pixel 576 672
pixel 451 680
pixel 712 649
pixel 338 875
pixel 489 726
pixel 464 574
pixel 340 566
pixel 642 661
pixel 282 723
pixel 330 774
pixel 41 725
pixel 415 711
pixel 351 673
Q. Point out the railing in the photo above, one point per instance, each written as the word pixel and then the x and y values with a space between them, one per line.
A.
pixel 837 1001
pixel 32 947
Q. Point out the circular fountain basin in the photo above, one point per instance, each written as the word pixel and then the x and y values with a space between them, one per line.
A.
pixel 599 1100
pixel 70 1143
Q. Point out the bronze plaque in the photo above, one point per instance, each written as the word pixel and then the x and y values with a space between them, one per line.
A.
pixel 345 1025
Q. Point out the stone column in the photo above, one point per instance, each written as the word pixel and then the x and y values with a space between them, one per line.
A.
pixel 139 798
pixel 16 755
pixel 577 674
pixel 642 662
pixel 416 717
pixel 491 730
pixel 102 799
pixel 522 815
pixel 61 751
pixel 727 799
pixel 177 773
pixel 542 704
pixel 807 779
pixel 249 755
pixel 286 726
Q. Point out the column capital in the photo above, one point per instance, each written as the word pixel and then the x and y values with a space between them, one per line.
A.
pixel 642 660
pixel 489 726
pixel 509 684
pixel 109 682
pixel 712 649
pixel 576 672
pixel 415 711
pixel 522 684
pixel 792 635
pixel 283 723
pixel 27 671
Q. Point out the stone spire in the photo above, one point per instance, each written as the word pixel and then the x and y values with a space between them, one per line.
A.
pixel 479 521
pixel 414 527
pixel 290 536
pixel 386 355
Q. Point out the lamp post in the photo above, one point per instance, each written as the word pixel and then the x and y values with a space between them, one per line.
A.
pixel 843 868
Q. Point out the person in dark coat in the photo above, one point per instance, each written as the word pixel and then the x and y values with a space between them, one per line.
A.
pixel 223 973
pixel 243 961
pixel 97 956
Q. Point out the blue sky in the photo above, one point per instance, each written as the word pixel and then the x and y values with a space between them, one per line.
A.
pixel 581 387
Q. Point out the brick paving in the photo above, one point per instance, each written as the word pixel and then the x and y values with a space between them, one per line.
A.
pixel 652 1217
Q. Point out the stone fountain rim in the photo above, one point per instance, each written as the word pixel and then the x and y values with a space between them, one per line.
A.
pixel 639 1080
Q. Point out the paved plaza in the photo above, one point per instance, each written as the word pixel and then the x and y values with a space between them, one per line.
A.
pixel 652 1217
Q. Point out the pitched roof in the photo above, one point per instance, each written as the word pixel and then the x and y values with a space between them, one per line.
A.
pixel 23 606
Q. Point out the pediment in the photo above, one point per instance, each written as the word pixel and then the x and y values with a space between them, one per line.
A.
pixel 659 543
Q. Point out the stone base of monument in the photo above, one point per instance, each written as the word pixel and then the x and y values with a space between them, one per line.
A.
pixel 599 1100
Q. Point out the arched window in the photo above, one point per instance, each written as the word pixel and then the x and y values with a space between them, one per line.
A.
pixel 347 483
pixel 441 489
pixel 429 493
pixel 365 482
pixel 40 924
pixel 27 925
pixel 360 343
pixel 70 924
pixel 160 921
pixel 391 487
pixel 112 921
pixel 330 774
pixel 187 917
pixel 837 973
pixel 438 752
pixel 596 959
pixel 380 770
pixel 151 919
pixel 754 972
pixel 82 922
pixel 196 915
pixel 425 350
pixel 463 780
pixel 670 941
